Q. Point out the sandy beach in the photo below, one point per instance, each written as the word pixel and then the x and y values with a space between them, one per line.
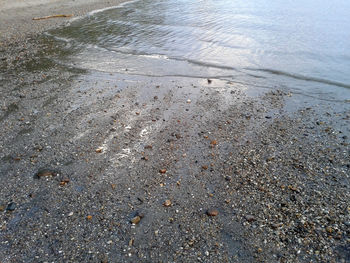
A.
pixel 106 167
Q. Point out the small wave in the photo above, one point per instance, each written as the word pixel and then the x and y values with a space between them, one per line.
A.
pixel 302 77
pixel 163 56
pixel 63 39
pixel 112 7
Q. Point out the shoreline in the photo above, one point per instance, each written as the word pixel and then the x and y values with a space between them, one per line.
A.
pixel 129 168
pixel 17 16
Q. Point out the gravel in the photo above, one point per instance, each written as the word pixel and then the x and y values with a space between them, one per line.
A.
pixel 281 183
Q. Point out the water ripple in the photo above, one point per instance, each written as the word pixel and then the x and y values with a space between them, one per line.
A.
pixel 299 40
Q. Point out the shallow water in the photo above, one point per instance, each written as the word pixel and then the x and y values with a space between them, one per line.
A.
pixel 301 45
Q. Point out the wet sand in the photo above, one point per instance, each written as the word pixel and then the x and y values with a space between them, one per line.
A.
pixel 208 170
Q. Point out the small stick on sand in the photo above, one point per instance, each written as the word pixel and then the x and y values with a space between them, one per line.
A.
pixel 53 16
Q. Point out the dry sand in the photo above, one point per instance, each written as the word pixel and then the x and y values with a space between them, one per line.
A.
pixel 16 16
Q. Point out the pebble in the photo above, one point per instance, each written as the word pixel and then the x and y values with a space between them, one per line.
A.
pixel 135 220
pixel 212 212
pixel 64 182
pixel 213 142
pixel 98 150
pixel 11 206
pixel 162 171
pixel 167 203
pixel 329 229
pixel 45 173
pixel 249 218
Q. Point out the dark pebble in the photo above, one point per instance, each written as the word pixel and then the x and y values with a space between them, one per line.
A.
pixel 11 206
pixel 45 173
pixel 293 198
pixel 249 218
pixel 212 212
pixel 228 178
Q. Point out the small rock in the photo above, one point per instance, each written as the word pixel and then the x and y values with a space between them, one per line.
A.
pixel 250 218
pixel 228 178
pixel 99 150
pixel 329 229
pixel 70 214
pixel 293 188
pixel 213 142
pixel 89 217
pixel 167 203
pixel 11 206
pixel 64 182
pixel 212 212
pixel 135 220
pixel 148 147
pixel 162 171
pixel 188 101
pixel 155 97
pixel 209 81
pixel 45 173
pixel 2 208
pixel 205 167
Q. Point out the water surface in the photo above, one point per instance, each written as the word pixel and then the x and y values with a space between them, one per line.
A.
pixel 304 45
